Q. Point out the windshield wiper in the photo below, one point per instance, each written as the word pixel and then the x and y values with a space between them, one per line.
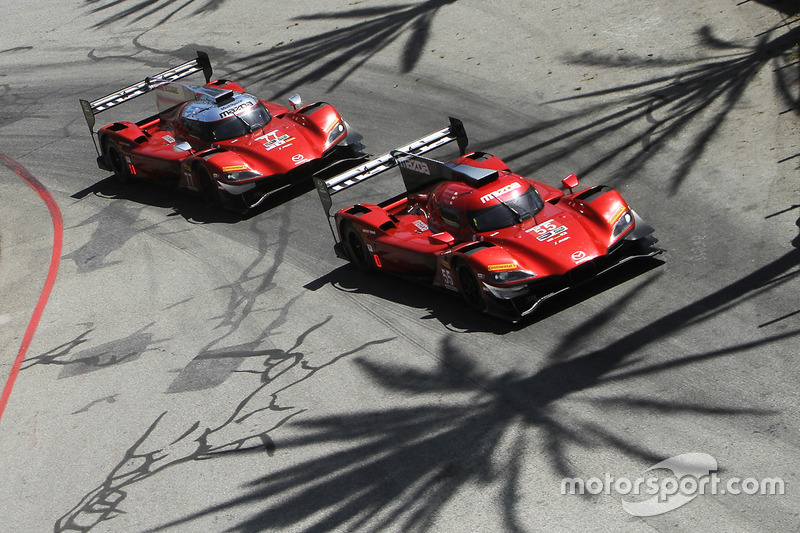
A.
pixel 247 125
pixel 518 217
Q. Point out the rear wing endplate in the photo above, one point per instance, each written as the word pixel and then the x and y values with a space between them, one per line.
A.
pixel 199 64
pixel 403 156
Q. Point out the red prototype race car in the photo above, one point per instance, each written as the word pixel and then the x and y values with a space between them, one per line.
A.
pixel 505 242
pixel 219 140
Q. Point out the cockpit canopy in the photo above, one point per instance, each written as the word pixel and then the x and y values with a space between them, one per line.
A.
pixel 219 115
pixel 503 203
pixel 213 114
pixel 506 212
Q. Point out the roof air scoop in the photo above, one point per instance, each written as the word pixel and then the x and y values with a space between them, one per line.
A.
pixel 224 96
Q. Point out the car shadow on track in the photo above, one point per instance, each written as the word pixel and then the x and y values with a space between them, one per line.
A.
pixel 187 204
pixel 449 308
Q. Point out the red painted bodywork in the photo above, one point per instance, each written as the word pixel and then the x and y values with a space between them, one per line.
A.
pixel 291 146
pixel 411 236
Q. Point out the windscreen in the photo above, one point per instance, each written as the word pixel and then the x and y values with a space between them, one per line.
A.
pixel 506 213
pixel 231 127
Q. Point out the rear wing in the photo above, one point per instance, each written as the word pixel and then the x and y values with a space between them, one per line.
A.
pixel 199 64
pixel 417 171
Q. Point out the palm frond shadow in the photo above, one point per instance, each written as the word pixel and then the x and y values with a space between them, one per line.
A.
pixel 345 49
pixel 398 468
pixel 119 11
pixel 701 92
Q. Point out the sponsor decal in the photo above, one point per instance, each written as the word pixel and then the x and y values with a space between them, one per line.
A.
pixel 169 88
pixel 421 226
pixel 579 255
pixel 416 165
pixel 234 168
pixel 550 235
pixel 235 109
pixel 275 139
pixel 549 231
pixel 501 267
pixel 500 192
pixel 299 159
pixel 169 138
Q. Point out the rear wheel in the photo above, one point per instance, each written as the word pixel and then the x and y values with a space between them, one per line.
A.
pixel 208 186
pixel 116 162
pixel 357 250
pixel 470 287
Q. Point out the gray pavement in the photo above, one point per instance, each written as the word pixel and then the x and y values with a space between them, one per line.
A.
pixel 194 372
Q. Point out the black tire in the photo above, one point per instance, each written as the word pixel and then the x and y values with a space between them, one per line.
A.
pixel 470 287
pixel 115 160
pixel 208 186
pixel 356 249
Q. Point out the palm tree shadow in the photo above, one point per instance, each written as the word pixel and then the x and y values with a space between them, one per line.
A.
pixel 348 48
pixel 398 468
pixel 157 12
pixel 703 91
pixel 343 49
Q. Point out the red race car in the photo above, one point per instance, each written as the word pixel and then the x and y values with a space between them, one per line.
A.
pixel 505 242
pixel 219 140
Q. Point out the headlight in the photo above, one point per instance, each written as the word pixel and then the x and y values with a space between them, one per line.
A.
pixel 509 276
pixel 337 131
pixel 623 224
pixel 240 175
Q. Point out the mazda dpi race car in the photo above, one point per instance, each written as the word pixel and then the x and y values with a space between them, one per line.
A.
pixel 217 139
pixel 505 242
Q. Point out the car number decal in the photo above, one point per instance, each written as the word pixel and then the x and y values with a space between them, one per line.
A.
pixel 274 140
pixel 548 231
pixel 447 278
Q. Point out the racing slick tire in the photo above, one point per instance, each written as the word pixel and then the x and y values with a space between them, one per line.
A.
pixel 356 249
pixel 115 160
pixel 470 287
pixel 208 187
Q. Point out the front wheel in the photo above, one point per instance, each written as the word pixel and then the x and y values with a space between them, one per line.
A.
pixel 470 287
pixel 208 186
pixel 356 248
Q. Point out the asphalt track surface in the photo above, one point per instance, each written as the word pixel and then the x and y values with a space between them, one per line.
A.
pixel 186 370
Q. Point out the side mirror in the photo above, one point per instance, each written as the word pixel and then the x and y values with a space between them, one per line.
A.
pixel 569 181
pixel 295 101
pixel 183 147
pixel 442 238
